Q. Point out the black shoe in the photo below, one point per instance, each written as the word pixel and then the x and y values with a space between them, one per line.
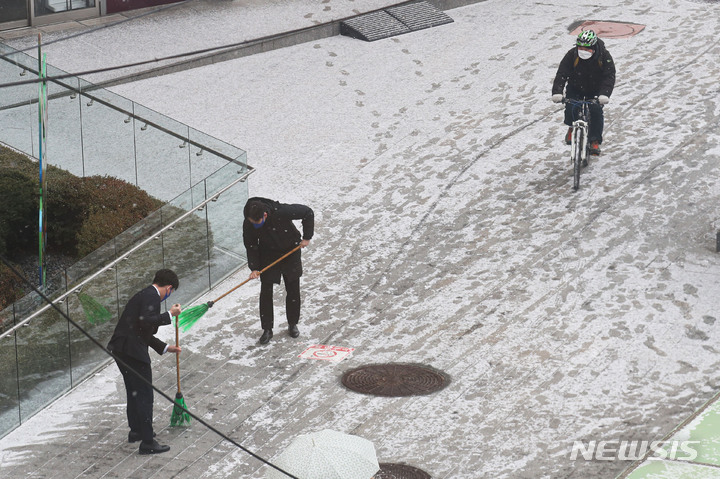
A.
pixel 293 331
pixel 135 436
pixel 266 335
pixel 153 448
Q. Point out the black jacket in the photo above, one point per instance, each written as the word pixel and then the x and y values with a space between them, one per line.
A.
pixel 277 236
pixel 138 324
pixel 586 78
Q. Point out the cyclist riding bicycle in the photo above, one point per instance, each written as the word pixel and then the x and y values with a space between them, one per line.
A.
pixel 587 71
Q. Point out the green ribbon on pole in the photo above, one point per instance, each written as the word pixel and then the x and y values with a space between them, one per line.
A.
pixel 42 158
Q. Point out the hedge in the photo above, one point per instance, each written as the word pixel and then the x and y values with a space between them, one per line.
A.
pixel 82 213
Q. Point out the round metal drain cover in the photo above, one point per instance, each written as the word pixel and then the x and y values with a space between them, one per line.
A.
pixel 400 471
pixel 395 380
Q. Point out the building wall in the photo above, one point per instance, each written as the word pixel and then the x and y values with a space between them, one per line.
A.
pixel 23 13
pixel 114 6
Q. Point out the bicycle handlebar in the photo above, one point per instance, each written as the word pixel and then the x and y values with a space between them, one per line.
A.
pixel 573 101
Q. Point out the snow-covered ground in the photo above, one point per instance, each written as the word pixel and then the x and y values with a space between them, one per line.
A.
pixel 447 234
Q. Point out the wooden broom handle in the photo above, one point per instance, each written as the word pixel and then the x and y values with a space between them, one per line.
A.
pixel 261 271
pixel 177 355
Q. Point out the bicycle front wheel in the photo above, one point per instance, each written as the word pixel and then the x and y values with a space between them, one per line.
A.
pixel 578 143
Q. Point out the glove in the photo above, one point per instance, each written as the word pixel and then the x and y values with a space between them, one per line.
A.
pixel 557 98
pixel 603 100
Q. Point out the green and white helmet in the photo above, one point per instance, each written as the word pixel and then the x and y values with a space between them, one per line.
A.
pixel 587 39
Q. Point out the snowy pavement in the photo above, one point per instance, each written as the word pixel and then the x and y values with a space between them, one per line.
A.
pixel 447 234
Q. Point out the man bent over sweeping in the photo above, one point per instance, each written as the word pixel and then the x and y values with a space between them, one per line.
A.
pixel 268 234
pixel 133 334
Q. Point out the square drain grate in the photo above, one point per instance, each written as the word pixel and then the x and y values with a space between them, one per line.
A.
pixel 394 21
pixel 373 26
pixel 418 16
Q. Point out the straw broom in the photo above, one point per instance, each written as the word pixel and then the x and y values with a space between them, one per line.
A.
pixel 179 416
pixel 190 316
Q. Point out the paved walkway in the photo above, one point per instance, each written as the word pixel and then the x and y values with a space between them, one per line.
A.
pixel 447 234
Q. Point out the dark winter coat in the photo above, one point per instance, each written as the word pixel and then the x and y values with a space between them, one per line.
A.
pixel 138 324
pixel 586 78
pixel 275 237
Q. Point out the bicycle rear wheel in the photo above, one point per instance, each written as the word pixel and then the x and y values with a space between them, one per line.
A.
pixel 578 142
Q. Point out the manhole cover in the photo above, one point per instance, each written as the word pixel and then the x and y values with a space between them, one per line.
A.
pixel 395 380
pixel 609 29
pixel 400 471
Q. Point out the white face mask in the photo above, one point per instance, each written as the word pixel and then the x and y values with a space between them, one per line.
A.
pixel 585 55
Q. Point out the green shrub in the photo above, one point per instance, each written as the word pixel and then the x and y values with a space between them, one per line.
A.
pixel 117 206
pixel 19 212
pixel 67 203
pixel 10 289
pixel 82 213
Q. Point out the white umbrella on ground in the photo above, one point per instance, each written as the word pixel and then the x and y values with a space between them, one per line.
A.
pixel 327 454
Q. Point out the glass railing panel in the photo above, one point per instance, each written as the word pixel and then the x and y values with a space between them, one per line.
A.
pixel 186 248
pixel 174 209
pixel 144 228
pixel 218 146
pixel 43 355
pixel 138 270
pixel 163 154
pixel 19 67
pixel 210 157
pixel 18 113
pixel 225 222
pixel 9 398
pixel 95 308
pixel 242 160
pixel 7 318
pixel 91 263
pixel 161 122
pixel 108 139
pixel 64 136
pixel 105 97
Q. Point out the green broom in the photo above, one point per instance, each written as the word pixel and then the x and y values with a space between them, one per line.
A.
pixel 190 316
pixel 95 312
pixel 179 416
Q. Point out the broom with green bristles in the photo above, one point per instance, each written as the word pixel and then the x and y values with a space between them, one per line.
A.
pixel 190 316
pixel 179 416
pixel 95 312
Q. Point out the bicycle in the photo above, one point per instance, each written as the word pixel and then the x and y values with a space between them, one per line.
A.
pixel 579 144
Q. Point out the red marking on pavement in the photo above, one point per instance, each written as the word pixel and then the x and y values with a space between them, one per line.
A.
pixel 326 353
pixel 609 29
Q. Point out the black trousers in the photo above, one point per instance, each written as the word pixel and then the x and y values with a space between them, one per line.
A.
pixel 292 302
pixel 597 118
pixel 139 396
